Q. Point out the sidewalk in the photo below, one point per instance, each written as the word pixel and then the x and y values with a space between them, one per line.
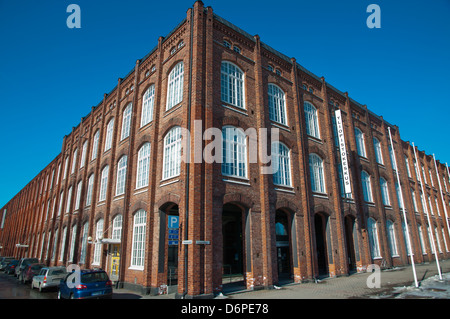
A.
pixel 393 282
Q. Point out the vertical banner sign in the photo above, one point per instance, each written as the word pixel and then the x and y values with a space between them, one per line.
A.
pixel 343 151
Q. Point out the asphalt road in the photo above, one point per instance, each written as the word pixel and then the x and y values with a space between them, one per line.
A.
pixel 11 288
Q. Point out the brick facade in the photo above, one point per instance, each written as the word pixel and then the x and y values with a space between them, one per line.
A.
pixel 326 233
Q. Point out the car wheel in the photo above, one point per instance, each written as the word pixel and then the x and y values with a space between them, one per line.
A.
pixel 40 288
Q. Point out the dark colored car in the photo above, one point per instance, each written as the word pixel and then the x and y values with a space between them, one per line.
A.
pixel 92 283
pixel 11 266
pixel 22 264
pixel 5 261
pixel 30 271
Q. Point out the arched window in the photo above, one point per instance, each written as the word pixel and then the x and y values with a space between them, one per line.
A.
pixel 109 134
pixel 63 244
pixel 78 195
pixel 98 245
pixel 366 186
pixel 138 244
pixel 317 175
pixel 360 145
pixel 281 163
pixel 391 237
pixel 234 152
pixel 121 175
pixel 83 154
pixel 117 228
pixel 103 183
pixel 72 242
pixel 143 166
pixel 95 145
pixel 384 191
pixel 84 243
pixel 277 106
pixel 312 120
pixel 373 238
pixel 175 86
pixel 172 153
pixel 405 236
pixel 89 190
pixel 232 84
pixel 126 121
pixel 422 241
pixel 147 105
pixel 74 161
pixel 378 153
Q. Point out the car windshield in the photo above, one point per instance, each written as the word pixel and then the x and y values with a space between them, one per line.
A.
pixel 58 272
pixel 94 277
pixel 36 267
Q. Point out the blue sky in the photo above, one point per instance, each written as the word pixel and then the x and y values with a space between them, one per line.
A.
pixel 51 76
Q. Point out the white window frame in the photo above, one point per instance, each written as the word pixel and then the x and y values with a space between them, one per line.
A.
pixel 126 121
pixel 360 142
pixel 277 104
pixel 172 153
pixel 83 154
pixel 103 184
pixel 95 145
pixel 384 192
pixel 366 186
pixel 109 134
pixel 63 244
pixel 175 86
pixel 232 86
pixel 143 165
pixel 74 161
pixel 234 152
pixel 392 237
pixel 98 245
pixel 316 171
pixel 372 229
pixel 312 120
pixel 139 240
pixel 89 190
pixel 78 196
pixel 72 242
pixel 121 175
pixel 281 159
pixel 378 152
pixel 148 101
pixel 84 239
pixel 117 227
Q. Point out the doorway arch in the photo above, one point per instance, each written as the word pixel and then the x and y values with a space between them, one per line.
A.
pixel 283 245
pixel 351 242
pixel 322 237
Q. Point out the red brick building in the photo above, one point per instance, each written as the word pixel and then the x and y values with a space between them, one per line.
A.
pixel 120 196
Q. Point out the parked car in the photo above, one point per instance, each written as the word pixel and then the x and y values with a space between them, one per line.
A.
pixel 5 261
pixel 30 271
pixel 93 283
pixel 48 277
pixel 11 267
pixel 22 264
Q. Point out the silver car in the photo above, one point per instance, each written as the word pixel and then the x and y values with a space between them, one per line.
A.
pixel 48 277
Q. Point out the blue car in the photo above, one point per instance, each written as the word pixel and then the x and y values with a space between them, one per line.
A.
pixel 92 283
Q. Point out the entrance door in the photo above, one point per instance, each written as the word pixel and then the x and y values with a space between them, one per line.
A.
pixel 282 243
pixel 115 261
pixel 349 230
pixel 321 244
pixel 232 241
